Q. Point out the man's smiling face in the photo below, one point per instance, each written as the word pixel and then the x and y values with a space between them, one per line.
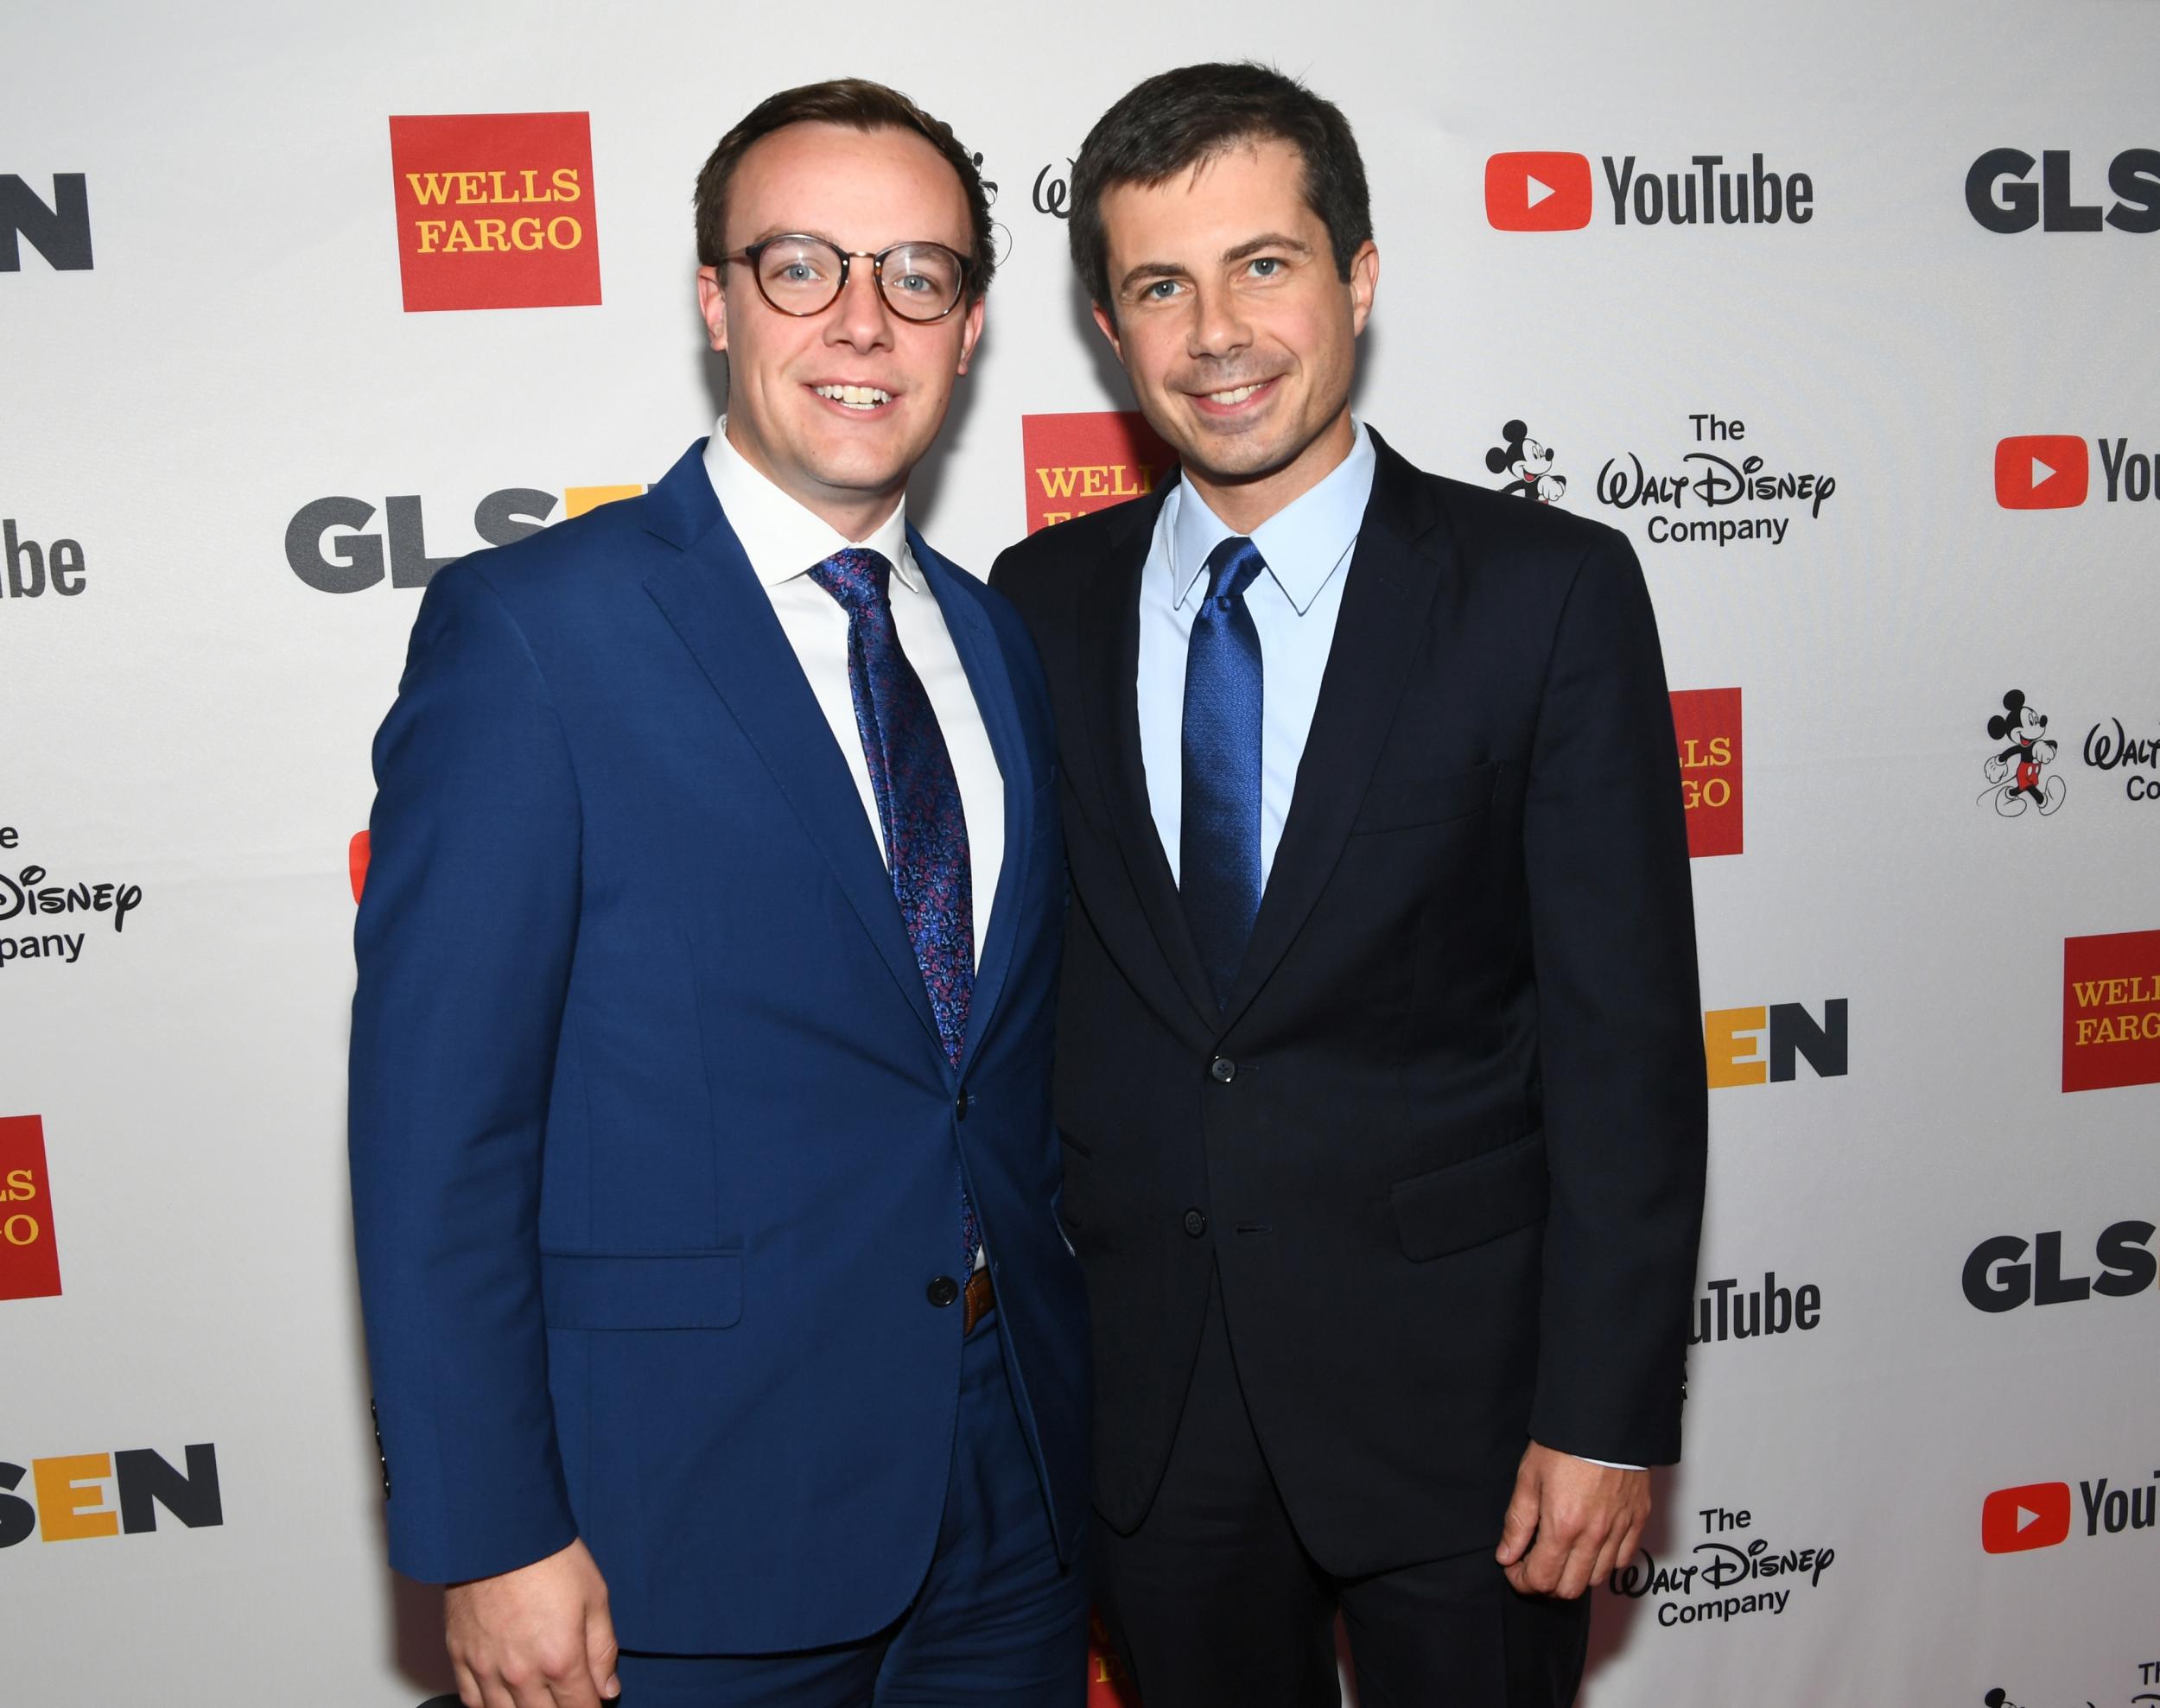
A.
pixel 1238 334
pixel 836 408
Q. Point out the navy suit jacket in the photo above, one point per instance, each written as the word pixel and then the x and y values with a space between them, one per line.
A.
pixel 655 1154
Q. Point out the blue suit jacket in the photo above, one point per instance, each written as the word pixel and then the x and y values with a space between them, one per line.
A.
pixel 654 1148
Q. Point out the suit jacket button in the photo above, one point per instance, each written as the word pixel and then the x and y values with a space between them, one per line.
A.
pixel 1222 1070
pixel 960 1105
pixel 1196 1224
pixel 943 1292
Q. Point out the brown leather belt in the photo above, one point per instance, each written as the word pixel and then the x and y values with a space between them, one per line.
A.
pixel 976 1299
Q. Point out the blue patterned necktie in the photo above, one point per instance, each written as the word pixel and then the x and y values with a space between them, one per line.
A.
pixel 918 802
pixel 1218 837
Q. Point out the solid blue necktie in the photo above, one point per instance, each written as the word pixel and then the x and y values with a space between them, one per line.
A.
pixel 1218 838
pixel 918 802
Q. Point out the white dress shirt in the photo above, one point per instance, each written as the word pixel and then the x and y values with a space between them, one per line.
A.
pixel 784 542
pixel 1307 545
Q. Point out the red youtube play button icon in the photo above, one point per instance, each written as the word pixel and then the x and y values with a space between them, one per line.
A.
pixel 1537 191
pixel 2034 1516
pixel 2041 471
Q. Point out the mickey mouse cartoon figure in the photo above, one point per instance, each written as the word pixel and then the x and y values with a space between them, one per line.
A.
pixel 2024 729
pixel 1526 460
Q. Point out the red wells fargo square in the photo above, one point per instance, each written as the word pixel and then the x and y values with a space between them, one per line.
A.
pixel 1706 724
pixel 495 210
pixel 29 1261
pixel 1089 461
pixel 2111 1011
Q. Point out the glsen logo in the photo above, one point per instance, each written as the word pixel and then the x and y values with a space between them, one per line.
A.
pixel 1726 1559
pixel 1707 480
pixel 2111 1011
pixel 59 231
pixel 1552 192
pixel 1731 1043
pixel 2039 1514
pixel 2001 195
pixel 2000 1277
pixel 29 1258
pixel 1077 464
pixel 1538 192
pixel 32 893
pixel 1707 723
pixel 74 1505
pixel 326 548
pixel 32 569
pixel 2032 1515
pixel 1528 462
pixel 495 210
pixel 2041 471
pixel 2013 774
pixel 1726 1313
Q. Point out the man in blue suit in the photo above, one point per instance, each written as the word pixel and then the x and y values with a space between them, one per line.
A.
pixel 704 1178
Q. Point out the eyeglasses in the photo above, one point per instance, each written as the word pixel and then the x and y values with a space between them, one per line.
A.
pixel 801 274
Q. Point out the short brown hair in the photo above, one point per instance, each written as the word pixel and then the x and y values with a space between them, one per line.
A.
pixel 859 104
pixel 1177 119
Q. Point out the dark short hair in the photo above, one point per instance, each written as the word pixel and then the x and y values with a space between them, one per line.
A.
pixel 1179 119
pixel 859 104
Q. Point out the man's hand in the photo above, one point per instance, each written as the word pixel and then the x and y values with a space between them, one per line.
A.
pixel 1570 1522
pixel 537 1637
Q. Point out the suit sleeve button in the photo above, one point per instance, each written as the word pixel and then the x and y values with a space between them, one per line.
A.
pixel 943 1292
pixel 1222 1070
pixel 1196 1224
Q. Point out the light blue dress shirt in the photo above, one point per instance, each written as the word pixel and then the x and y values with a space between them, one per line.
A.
pixel 1307 546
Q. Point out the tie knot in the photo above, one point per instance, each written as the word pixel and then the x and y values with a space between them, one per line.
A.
pixel 858 577
pixel 1231 567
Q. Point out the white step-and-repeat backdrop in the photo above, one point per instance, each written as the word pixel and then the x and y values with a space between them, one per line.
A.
pixel 1843 312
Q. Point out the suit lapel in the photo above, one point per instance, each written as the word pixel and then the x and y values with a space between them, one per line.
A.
pixel 1399 562
pixel 711 598
pixel 983 659
pixel 1109 663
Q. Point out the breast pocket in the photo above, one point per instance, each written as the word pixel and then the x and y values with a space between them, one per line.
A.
pixel 1402 804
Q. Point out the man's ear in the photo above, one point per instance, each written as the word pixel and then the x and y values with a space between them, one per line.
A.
pixel 971 329
pixel 712 303
pixel 1364 281
pixel 1108 329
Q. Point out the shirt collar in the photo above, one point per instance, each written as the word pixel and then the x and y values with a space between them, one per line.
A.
pixel 782 538
pixel 1304 543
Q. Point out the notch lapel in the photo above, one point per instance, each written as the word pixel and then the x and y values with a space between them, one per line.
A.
pixel 1401 561
pixel 1109 659
pixel 711 598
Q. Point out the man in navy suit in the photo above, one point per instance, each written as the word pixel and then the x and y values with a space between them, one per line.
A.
pixel 704 1180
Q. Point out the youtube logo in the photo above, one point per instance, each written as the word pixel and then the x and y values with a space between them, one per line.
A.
pixel 2042 471
pixel 2034 1516
pixel 1538 192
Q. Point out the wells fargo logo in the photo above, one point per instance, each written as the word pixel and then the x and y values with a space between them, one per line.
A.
pixel 1707 723
pixel 29 1261
pixel 2111 1011
pixel 1734 1041
pixel 73 1503
pixel 1077 464
pixel 495 210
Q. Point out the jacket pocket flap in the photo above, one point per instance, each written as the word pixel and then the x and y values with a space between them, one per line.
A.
pixel 1469 1202
pixel 647 1290
pixel 1396 803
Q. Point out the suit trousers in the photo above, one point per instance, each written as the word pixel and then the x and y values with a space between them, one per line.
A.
pixel 1214 1602
pixel 997 1623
